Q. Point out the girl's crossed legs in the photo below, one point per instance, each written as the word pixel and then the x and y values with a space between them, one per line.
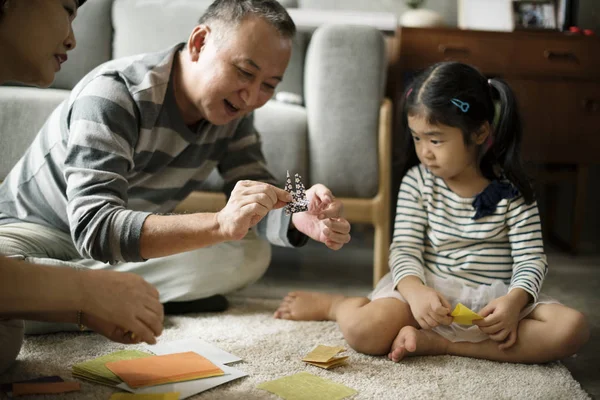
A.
pixel 386 326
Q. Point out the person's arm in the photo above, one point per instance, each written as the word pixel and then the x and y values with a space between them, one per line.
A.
pixel 244 160
pixel 527 248
pixel 408 243
pixel 27 287
pixel 248 204
pixel 107 299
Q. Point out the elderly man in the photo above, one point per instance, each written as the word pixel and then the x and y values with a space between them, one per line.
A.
pixel 137 135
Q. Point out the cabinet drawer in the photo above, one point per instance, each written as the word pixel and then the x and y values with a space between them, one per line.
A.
pixel 556 55
pixel 561 120
pixel 419 48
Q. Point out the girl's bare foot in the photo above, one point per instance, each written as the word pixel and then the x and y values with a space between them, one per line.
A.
pixel 417 342
pixel 308 306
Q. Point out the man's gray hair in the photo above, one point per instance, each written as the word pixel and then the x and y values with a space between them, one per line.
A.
pixel 231 13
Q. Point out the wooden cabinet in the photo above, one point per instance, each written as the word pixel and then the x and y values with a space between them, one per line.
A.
pixel 556 78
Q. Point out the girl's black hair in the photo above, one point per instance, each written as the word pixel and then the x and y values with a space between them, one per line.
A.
pixel 430 95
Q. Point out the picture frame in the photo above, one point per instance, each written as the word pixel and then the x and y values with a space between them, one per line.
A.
pixel 535 14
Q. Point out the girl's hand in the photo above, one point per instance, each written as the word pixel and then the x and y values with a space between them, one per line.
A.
pixel 501 320
pixel 429 307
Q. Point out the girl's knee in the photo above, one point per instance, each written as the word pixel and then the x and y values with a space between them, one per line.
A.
pixel 576 332
pixel 371 338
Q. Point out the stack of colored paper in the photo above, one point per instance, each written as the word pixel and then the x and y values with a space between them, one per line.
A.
pixel 325 357
pixel 95 370
pixel 158 370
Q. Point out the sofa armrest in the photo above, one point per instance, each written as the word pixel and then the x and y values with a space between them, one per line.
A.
pixel 23 111
pixel 343 84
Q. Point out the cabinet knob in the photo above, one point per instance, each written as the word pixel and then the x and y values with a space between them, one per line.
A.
pixel 590 105
pixel 553 55
pixel 449 49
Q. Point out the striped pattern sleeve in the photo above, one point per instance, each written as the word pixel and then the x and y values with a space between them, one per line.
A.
pixel 527 248
pixel 103 129
pixel 244 160
pixel 406 250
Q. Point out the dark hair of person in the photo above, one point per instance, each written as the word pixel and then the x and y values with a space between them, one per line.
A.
pixel 3 4
pixel 232 12
pixel 431 95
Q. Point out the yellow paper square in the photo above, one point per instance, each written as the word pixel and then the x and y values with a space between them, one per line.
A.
pixel 305 386
pixel 463 315
pixel 323 353
pixel 147 396
pixel 334 362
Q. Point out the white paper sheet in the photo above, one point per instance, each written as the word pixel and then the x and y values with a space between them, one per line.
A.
pixel 190 388
pixel 213 353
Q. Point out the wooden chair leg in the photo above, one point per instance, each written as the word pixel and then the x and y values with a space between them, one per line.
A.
pixel 381 246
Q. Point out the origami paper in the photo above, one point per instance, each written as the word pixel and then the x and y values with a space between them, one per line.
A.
pixel 205 349
pixel 22 389
pixel 324 357
pixel 299 201
pixel 157 370
pixel 190 388
pixel 95 370
pixel 462 315
pixel 7 387
pixel 305 386
pixel 323 353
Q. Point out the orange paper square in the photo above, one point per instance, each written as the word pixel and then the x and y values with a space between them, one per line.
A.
pixel 22 389
pixel 158 370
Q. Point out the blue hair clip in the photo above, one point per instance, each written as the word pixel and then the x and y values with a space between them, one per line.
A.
pixel 464 106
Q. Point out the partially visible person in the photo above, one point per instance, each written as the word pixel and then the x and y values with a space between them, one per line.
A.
pixel 35 37
pixel 138 135
pixel 467 230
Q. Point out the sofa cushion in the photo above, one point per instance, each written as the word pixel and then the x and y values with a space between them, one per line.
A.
pixel 284 132
pixel 24 111
pixel 142 26
pixel 93 33
pixel 343 89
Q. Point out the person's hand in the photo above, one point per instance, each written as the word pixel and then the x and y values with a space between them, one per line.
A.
pixel 323 221
pixel 122 300
pixel 500 320
pixel 249 203
pixel 429 308
pixel 109 330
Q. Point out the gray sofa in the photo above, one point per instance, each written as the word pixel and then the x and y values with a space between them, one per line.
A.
pixel 338 135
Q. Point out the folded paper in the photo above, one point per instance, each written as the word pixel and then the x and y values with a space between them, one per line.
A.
pixel 95 370
pixel 158 370
pixel 299 201
pixel 23 389
pixel 463 315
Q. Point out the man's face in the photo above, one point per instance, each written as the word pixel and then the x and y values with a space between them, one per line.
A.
pixel 237 71
pixel 39 34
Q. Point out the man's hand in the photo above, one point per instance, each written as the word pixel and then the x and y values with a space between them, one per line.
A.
pixel 122 300
pixel 323 222
pixel 110 330
pixel 249 203
pixel 501 319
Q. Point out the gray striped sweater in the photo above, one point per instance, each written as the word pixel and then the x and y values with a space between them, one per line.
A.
pixel 118 150
pixel 434 230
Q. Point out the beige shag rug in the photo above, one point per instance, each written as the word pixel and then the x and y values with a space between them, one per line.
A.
pixel 272 348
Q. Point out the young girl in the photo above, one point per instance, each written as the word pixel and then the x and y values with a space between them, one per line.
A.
pixel 467 230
